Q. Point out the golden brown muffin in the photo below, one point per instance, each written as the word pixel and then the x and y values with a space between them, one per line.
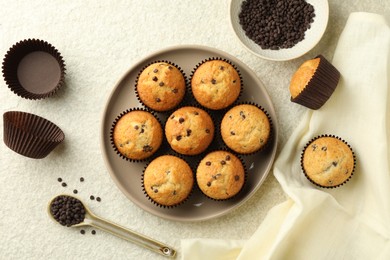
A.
pixel 216 84
pixel 137 135
pixel 328 161
pixel 189 130
pixel 161 86
pixel 245 129
pixel 168 180
pixel 220 175
pixel 314 82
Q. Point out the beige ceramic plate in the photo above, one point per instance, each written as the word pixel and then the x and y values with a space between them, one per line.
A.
pixel 312 35
pixel 127 175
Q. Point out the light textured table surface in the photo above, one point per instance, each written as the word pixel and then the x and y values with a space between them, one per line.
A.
pixel 100 41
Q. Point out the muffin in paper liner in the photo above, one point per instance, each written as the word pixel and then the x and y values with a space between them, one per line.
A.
pixel 30 135
pixel 33 69
pixel 131 130
pixel 328 161
pixel 203 95
pixel 231 131
pixel 168 181
pixel 179 130
pixel 320 86
pixel 221 175
pixel 161 86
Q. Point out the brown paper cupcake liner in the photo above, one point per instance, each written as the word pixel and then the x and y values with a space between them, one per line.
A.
pixel 169 111
pixel 190 93
pixel 162 146
pixel 245 175
pixel 308 177
pixel 168 206
pixel 33 69
pixel 214 140
pixel 30 135
pixel 320 87
pixel 270 138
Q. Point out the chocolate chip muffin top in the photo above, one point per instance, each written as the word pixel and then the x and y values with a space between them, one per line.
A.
pixel 220 175
pixel 161 86
pixel 245 129
pixel 189 130
pixel 168 180
pixel 216 84
pixel 302 76
pixel 137 135
pixel 328 161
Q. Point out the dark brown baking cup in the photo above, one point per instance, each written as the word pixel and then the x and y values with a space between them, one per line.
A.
pixel 270 138
pixel 30 135
pixel 213 141
pixel 245 175
pixel 190 93
pixel 168 206
pixel 33 69
pixel 303 169
pixel 153 155
pixel 168 111
pixel 320 87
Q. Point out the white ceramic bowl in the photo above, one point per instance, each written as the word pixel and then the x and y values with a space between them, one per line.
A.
pixel 312 35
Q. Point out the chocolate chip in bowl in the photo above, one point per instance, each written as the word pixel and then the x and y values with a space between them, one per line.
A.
pixel 279 30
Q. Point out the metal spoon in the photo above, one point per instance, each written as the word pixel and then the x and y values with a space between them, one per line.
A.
pixel 119 231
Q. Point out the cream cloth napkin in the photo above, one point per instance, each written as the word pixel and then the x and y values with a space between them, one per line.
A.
pixel 352 221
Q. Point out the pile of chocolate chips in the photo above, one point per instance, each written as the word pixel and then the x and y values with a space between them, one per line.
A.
pixel 68 211
pixel 276 24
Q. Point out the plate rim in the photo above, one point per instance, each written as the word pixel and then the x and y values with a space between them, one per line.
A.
pixel 143 60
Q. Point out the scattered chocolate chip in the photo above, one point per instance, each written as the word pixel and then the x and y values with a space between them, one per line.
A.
pixel 242 114
pixel 196 113
pixel 189 132
pixel 213 81
pixel 161 84
pixel 232 133
pixel 64 184
pixel 334 163
pixel 175 90
pixel 98 199
pixel 168 172
pixel 207 130
pixel 227 157
pixel 223 162
pixel 147 148
pixel 142 131
pixel 208 163
pixel 236 177
pixel 178 138
pixel 221 67
pixel 81 179
pixel 136 127
pixel 173 116
pixel 92 197
pixel 201 81
pixel 174 192
pixel 93 232
pixel 59 180
pixel 158 100
pixel 314 146
pixel 154 78
pixel 181 120
pixel 170 67
pixel 82 232
pixel 234 81
pixel 67 210
pixel 75 191
pixel 155 190
pixel 208 184
pixel 155 70
pixel 323 148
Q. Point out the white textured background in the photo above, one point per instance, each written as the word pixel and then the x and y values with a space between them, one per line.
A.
pixel 99 41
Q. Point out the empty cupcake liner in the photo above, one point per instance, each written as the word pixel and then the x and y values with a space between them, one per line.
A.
pixel 191 94
pixel 168 111
pixel 270 138
pixel 33 69
pixel 320 87
pixel 245 175
pixel 153 155
pixel 168 206
pixel 30 135
pixel 308 177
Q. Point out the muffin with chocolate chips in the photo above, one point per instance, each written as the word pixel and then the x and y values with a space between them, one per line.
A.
pixel 161 86
pixel 328 161
pixel 216 84
pixel 168 180
pixel 189 130
pixel 220 175
pixel 245 128
pixel 137 135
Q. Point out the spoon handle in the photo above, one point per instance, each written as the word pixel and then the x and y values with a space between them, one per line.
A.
pixel 132 236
